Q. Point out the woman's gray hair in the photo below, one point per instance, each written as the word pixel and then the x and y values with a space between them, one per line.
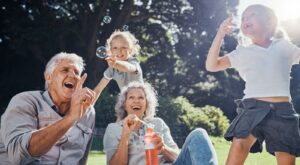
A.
pixel 53 62
pixel 151 99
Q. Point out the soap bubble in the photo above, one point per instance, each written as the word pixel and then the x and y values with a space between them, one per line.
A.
pixel 125 28
pixel 101 52
pixel 107 19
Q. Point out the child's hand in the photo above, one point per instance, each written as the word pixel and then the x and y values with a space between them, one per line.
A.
pixel 226 27
pixel 111 61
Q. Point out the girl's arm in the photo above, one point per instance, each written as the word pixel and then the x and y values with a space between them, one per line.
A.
pixel 123 66
pixel 99 88
pixel 215 63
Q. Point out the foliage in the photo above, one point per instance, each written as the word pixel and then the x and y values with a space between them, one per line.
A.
pixel 209 117
pixel 172 33
pixel 180 111
pixel 105 110
pixel 217 118
pixel 175 36
pixel 169 111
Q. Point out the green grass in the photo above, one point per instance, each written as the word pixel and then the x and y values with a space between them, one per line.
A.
pixel 96 158
pixel 222 148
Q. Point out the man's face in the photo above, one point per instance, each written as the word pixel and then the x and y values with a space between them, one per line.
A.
pixel 63 80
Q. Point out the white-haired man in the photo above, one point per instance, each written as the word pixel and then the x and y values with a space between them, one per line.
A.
pixel 52 126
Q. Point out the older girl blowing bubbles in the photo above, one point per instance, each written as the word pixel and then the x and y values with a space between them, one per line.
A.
pixel 124 67
pixel 266 113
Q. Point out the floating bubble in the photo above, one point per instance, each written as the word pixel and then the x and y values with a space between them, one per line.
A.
pixel 101 52
pixel 125 28
pixel 107 19
pixel 56 7
pixel 92 7
pixel 23 6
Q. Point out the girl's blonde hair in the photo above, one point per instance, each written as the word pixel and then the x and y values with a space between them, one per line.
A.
pixel 270 20
pixel 132 41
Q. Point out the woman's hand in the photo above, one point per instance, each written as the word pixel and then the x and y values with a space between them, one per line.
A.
pixel 130 122
pixel 158 142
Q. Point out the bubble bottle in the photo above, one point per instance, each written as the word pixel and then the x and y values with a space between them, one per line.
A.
pixel 150 152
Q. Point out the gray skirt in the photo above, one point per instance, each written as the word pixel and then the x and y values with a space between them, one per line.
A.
pixel 275 123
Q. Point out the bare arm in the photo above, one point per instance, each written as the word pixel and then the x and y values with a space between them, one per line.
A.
pixel 42 140
pixel 169 154
pixel 215 63
pixel 123 66
pixel 99 88
pixel 121 155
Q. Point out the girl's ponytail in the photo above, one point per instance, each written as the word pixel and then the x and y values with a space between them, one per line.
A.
pixel 280 33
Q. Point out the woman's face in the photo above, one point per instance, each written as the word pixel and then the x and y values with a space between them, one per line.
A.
pixel 136 102
pixel 120 48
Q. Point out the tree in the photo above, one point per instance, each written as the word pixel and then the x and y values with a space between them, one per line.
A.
pixel 174 35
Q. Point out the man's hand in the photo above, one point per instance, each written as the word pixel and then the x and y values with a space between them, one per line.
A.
pixel 81 100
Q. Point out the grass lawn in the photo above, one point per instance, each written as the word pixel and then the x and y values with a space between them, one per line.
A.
pixel 222 148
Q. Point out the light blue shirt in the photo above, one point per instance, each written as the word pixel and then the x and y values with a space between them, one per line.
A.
pixel 136 150
pixel 30 111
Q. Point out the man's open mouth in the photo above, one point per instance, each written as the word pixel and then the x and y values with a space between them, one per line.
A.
pixel 69 85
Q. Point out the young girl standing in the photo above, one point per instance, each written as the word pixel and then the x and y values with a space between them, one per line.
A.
pixel 265 112
pixel 123 67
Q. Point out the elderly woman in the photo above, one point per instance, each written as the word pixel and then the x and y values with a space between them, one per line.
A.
pixel 123 140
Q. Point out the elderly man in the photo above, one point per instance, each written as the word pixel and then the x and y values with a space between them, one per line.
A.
pixel 52 126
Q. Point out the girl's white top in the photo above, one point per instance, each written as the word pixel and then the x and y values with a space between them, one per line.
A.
pixel 266 71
